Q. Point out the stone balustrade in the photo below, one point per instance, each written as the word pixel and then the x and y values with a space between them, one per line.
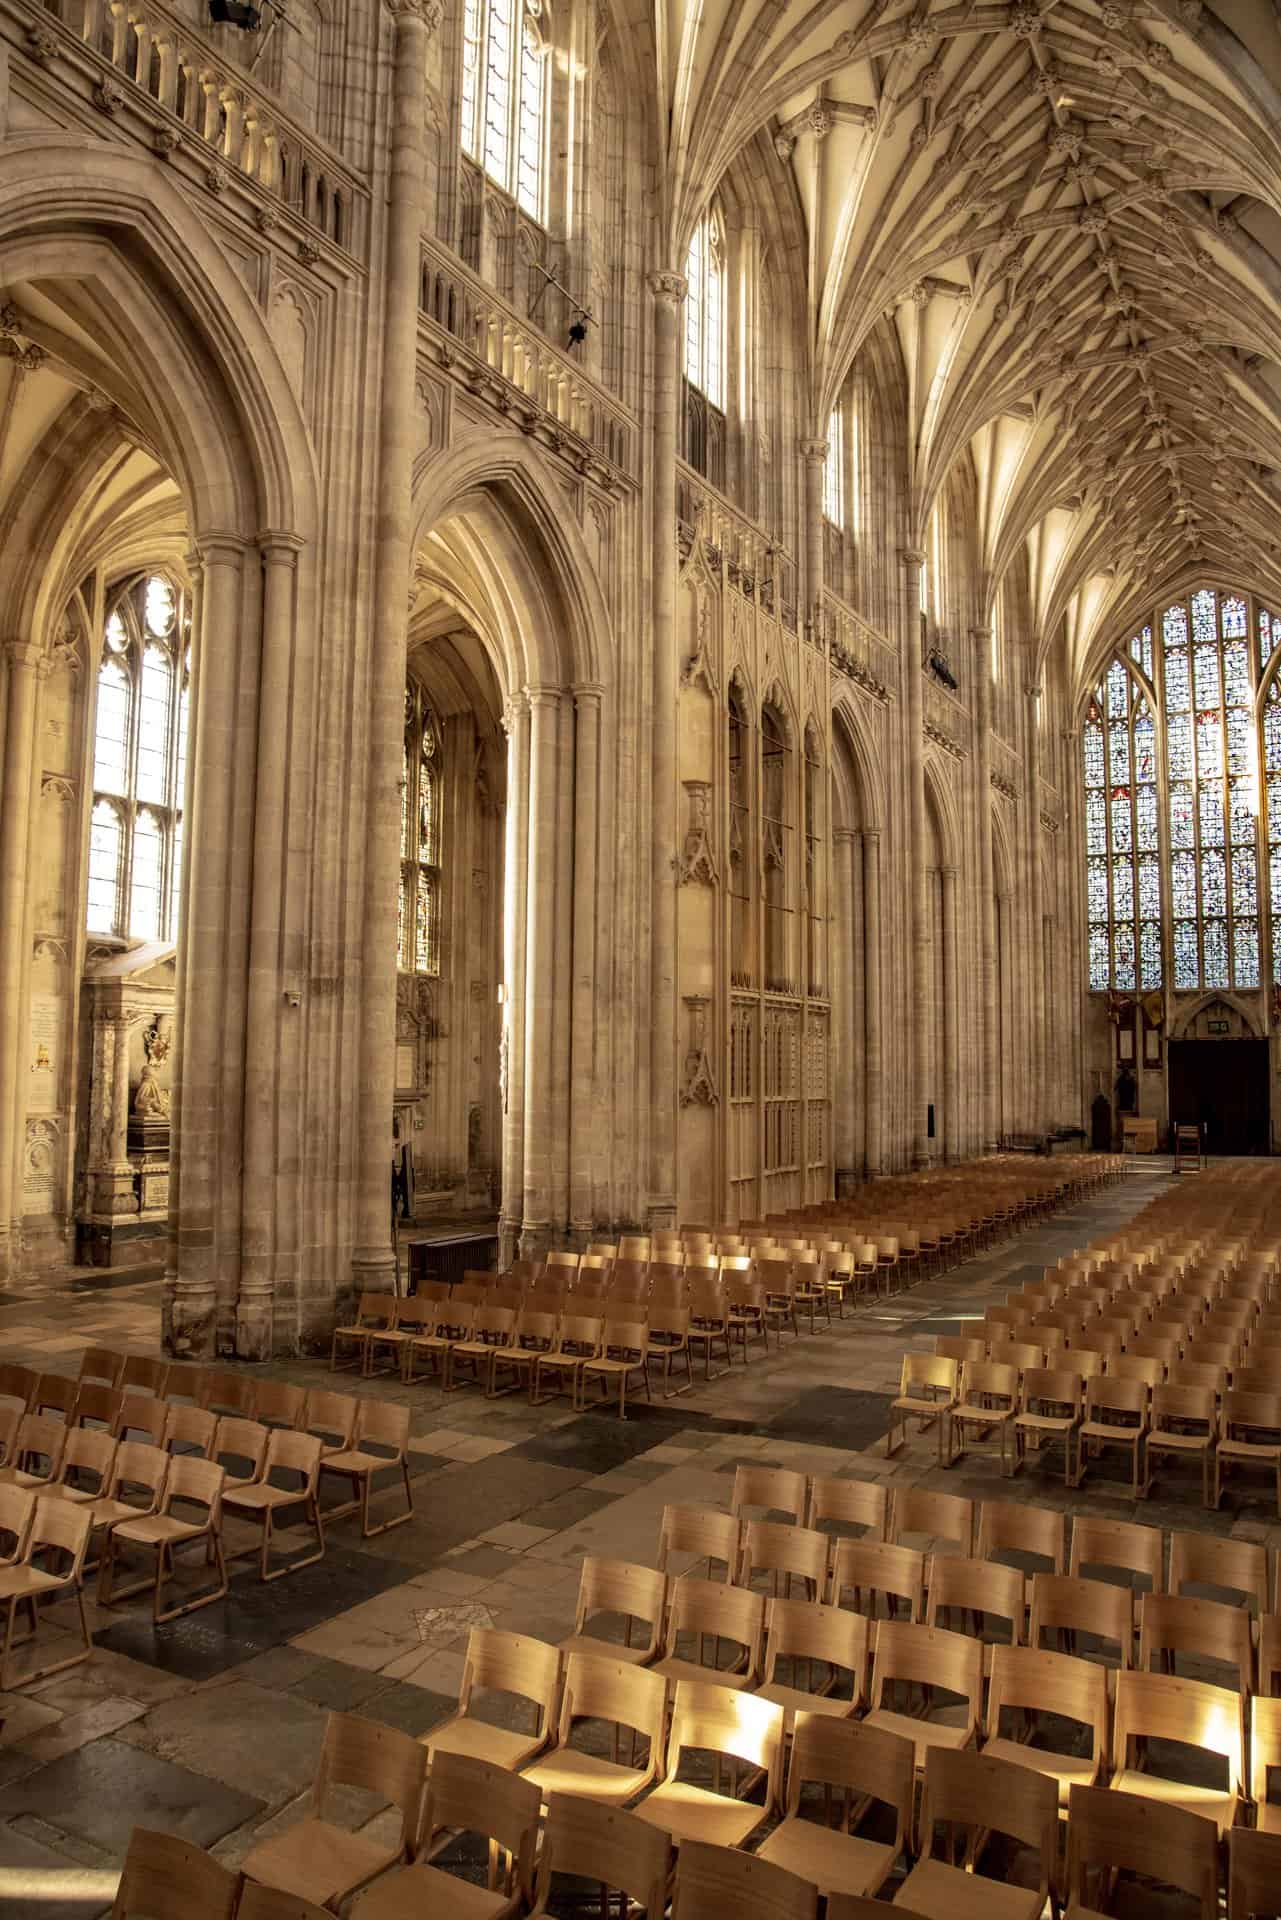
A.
pixel 753 562
pixel 857 650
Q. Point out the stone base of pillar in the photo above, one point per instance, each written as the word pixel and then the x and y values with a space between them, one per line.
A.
pixel 373 1270
pixel 189 1324
pixel 508 1241
pixel 254 1327
pixel 535 1239
pixel 111 1190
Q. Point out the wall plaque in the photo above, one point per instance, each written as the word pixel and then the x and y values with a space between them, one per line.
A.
pixel 46 1053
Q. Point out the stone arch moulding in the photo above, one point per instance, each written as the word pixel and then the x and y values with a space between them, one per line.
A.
pixel 855 773
pixel 1240 1004
pixel 76 210
pixel 1002 857
pixel 509 482
pixel 939 801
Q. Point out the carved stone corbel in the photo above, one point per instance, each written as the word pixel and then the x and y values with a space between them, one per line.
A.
pixel 697 862
pixel 698 1085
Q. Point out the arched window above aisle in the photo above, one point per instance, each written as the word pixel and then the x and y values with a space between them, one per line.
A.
pixel 705 315
pixel 1172 750
pixel 504 96
pixel 418 921
pixel 139 762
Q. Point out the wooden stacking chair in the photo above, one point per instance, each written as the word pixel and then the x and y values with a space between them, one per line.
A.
pixel 811 1290
pixel 952 1346
pixel 1216 1566
pixel 617 1851
pixel 380 1444
pixel 617 1694
pixel 465 1796
pixel 19 1384
pixel 135 1488
pixel 97 1406
pixel 228 1394
pixel 298 1455
pixel 240 1448
pixel 979 1795
pixel 727 1626
pixel 717 1883
pixel 776 1276
pixel 926 1657
pixel 36 1451
pixel 325 1862
pixel 1027 1681
pixel 1184 1425
pixel 1254 1875
pixel 60 1531
pixel 735 1727
pixel 278 1403
pixel 56 1394
pixel 102 1364
pixel 492 1330
pixel 1120 1545
pixel 978 1588
pixel 504 1663
pixel 190 1481
pixel 331 1417
pixel 1111 1832
pixel 636 1596
pixel 578 1340
pixel 771 1489
pixel 929 1389
pixel 1019 1354
pixel 1265 1762
pixel 709 1321
pixel 85 1469
pixel 142 1374
pixel 1062 1604
pixel 17 1510
pixel 701 1531
pixel 871 1568
pixel 854 1766
pixel 141 1417
pixel 794 1553
pixel 1170 1624
pixel 1049 1410
pixel 190 1430
pixel 536 1334
pixel 624 1357
pixel 848 1503
pixel 375 1313
pixel 989 1402
pixel 933 1517
pixel 830 1638
pixel 1250 1437
pixel 1028 1532
pixel 167 1878
pixel 1116 1415
pixel 1159 1707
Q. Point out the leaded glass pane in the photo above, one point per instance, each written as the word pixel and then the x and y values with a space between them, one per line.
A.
pixel 1205 661
pixel 1118 756
pixel 1100 959
pixel 471 76
pixel 156 696
pixel 1092 747
pixel 1096 828
pixel 1183 885
pixel 111 737
pixel 180 746
pixel 160 606
pixel 1234 616
pixel 1122 890
pixel 148 869
pixel 1245 882
pixel 1276 629
pixel 1178 746
pixel 1141 650
pixel 175 876
pixel 1242 803
pixel 1096 887
pixel 1122 839
pixel 1240 741
pixel 1236 675
pixel 428 814
pixel 1187 970
pixel 1123 956
pixel 425 954
pixel 1174 627
pixel 1150 970
pixel 1210 816
pixel 402 916
pixel 1214 953
pixel 1214 883
pixel 1178 693
pixel 1245 952
pixel 1272 731
pixel 1150 888
pixel 1209 746
pixel 1145 809
pixel 1203 621
pixel 104 868
pixel 529 160
pixel 404 801
pixel 1182 817
pixel 1144 746
pixel 1118 685
pixel 1274 816
pixel 1265 637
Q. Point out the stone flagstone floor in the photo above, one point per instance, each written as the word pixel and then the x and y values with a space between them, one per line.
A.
pixel 211 1726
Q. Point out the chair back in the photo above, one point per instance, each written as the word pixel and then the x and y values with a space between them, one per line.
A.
pixel 927 1656
pixel 701 1531
pixel 806 1630
pixel 511 1663
pixel 379 1759
pixel 854 1503
pixel 1223 1565
pixel 165 1878
pixel 87 1451
pixel 1207 1629
pixel 605 1846
pixel 40 1439
pixel 383 1426
pixel 1029 1679
pixel 741 1726
pixel 1164 1706
pixel 873 1566
pixel 977 1587
pixel 141 1413
pixel 776 1489
pixel 941 1516
pixel 719 1883
pixel 141 1374
pixel 189 1428
pixel 619 1587
pixel 17 1505
pixel 101 1363
pixel 778 1547
pixel 280 1403
pixel 616 1691
pixel 469 1795
pixel 330 1415
pixel 1118 1543
pixel 706 1608
pixel 1109 1830
pixel 199 1482
pixel 298 1453
pixel 61 1527
pixel 986 1795
pixel 245 1440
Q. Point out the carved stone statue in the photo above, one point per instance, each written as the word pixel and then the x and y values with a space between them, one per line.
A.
pixel 151 1101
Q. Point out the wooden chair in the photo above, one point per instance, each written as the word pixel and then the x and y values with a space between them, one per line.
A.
pixel 709 1322
pixel 435 1334
pixel 927 1657
pixel 578 1340
pixel 327 1863
pixel 1220 1566
pixel 1121 1545
pixel 874 1567
pixel 854 1765
pixel 988 1403
pixel 624 1357
pixel 19 1383
pixel 1170 1624
pixel 98 1404
pixel 1027 1681
pixel 17 1509
pixel 102 1364
pixel 1049 1410
pixel 380 1445
pixel 278 1403
pixel 715 1883
pixel 1028 1532
pixel 240 1448
pixel 933 1517
pixel 812 1292
pixel 620 1695
pixel 492 1330
pixel 619 1851
pixel 141 1416
pixel 977 1795
pixel 1250 1437
pixel 928 1389
pixel 852 1503
pixel 331 1417
pixel 723 1615
pixel 1153 1706
pixel 299 1455
pixel 465 1796
pixel 832 1637
pixel 165 1878
pixel 668 1340
pixel 536 1334
pixel 224 1393
pixel 190 1481
pixel 636 1595
pixel 1019 1354
pixel 270 1903
pixel 772 1489
pixel 735 1727
pixel 1265 1760
pixel 1116 1415
pixel 142 1374
pixel 503 1663
pixel 702 1532
pixel 794 1553
pixel 1185 1425
pixel 1065 1605
pixel 1110 1832
pixel 36 1452
pixel 136 1486
pixel 1254 1875
pixel 979 1588
pixel 952 1346
pixel 190 1430
pixel 57 1529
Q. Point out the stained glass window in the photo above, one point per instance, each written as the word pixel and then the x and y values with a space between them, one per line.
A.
pixel 418 909
pixel 139 762
pixel 1123 882
pixel 504 97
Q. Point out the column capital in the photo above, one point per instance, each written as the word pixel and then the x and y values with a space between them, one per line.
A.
pixel 426 13
pixel 514 706
pixel 844 836
pixel 948 873
pixel 588 693
pixel 814 452
pixel 279 549
pixel 871 836
pixel 981 633
pixel 220 549
pixel 542 696
pixel 911 557
pixel 1034 689
pixel 669 289
pixel 21 651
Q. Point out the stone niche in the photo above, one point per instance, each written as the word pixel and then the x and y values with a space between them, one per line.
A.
pixel 127 1024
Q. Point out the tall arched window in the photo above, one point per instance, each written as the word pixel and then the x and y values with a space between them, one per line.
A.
pixel 834 470
pixel 705 309
pixel 1181 782
pixel 741 864
pixel 504 96
pixel 139 763
pixel 418 919
pixel 776 849
pixel 814 862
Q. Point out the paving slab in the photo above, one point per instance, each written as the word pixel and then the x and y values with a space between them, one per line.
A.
pixel 101 1792
pixel 265 1744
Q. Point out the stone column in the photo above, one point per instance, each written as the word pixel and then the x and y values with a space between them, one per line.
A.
pixel 918 897
pixel 847 939
pixel 669 291
pixel 540 969
pixel 190 1308
pixel 562 999
pixel 260 1205
pixel 989 1069
pixel 582 1118
pixel 1038 1110
pixel 1074 932
pixel 374 1261
pixel 814 455
pixel 873 1077
pixel 953 1131
pixel 25 671
pixel 512 1038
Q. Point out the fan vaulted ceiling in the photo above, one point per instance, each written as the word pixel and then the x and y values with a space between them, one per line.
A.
pixel 1071 213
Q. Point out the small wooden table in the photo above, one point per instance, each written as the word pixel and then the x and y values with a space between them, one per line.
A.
pixel 451 1256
